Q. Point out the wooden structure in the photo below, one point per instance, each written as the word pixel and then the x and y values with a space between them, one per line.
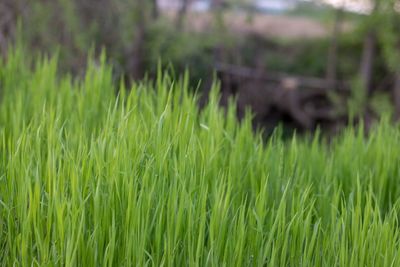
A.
pixel 303 102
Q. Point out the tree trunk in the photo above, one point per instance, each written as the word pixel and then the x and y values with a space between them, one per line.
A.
pixel 182 14
pixel 331 72
pixel 135 64
pixel 154 9
pixel 219 27
pixel 367 62
pixel 396 95
pixel 9 11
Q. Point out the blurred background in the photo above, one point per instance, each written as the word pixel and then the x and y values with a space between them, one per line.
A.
pixel 305 64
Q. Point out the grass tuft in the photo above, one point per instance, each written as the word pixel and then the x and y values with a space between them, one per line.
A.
pixel 144 178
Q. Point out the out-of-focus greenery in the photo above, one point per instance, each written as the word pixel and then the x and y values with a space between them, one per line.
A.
pixel 322 12
pixel 74 27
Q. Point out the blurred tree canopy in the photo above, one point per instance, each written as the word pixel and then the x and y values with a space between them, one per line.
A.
pixel 131 31
pixel 135 36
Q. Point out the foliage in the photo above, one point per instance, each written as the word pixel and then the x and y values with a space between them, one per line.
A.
pixel 73 27
pixel 358 99
pixel 90 178
pixel 389 19
pixel 181 50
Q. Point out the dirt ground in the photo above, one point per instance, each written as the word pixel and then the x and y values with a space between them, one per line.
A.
pixel 280 26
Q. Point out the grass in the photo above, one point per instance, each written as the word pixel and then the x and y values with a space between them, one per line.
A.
pixel 89 177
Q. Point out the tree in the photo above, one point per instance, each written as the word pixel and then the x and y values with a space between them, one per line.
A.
pixel 135 63
pixel 331 72
pixel 367 61
pixel 155 11
pixel 9 11
pixel 182 13
pixel 390 42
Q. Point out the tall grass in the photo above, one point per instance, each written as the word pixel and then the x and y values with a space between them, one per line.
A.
pixel 89 177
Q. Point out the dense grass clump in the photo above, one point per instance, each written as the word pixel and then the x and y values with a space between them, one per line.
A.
pixel 89 177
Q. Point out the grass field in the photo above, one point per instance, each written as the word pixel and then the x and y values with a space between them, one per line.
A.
pixel 89 177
